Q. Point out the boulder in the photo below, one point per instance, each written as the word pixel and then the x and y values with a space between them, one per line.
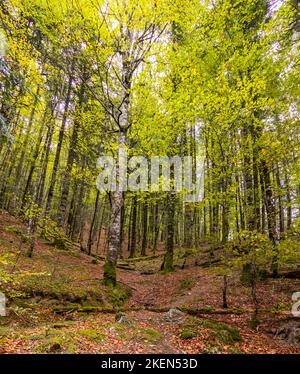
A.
pixel 120 318
pixel 174 315
pixel 289 332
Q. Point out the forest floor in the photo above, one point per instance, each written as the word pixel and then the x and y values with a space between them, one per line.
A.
pixel 59 305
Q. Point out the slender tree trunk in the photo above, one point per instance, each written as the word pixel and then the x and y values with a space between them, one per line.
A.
pixel 34 160
pixel 225 209
pixel 168 260
pixel 90 239
pixel 280 204
pixel 46 153
pixel 225 290
pixel 159 218
pixel 24 150
pixel 102 214
pixel 132 251
pixel 66 179
pixel 145 229
pixel 271 216
pixel 59 146
pixel 289 203
pixel 123 219
pixel 78 212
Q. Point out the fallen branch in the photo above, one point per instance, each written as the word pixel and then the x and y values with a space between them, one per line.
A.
pixel 145 258
pixel 207 264
pixel 190 311
pixel 125 267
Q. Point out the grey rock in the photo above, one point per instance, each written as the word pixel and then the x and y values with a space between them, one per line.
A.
pixel 174 315
pixel 148 272
pixel 289 332
pixel 120 318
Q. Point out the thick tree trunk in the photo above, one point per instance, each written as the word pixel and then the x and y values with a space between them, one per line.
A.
pixel 114 232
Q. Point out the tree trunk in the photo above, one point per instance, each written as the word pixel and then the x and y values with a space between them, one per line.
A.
pixel 34 160
pixel 280 204
pixel 145 229
pixel 133 229
pixel 271 215
pixel 114 232
pixel 59 146
pixel 168 260
pixel 23 153
pixel 61 217
pixel 90 240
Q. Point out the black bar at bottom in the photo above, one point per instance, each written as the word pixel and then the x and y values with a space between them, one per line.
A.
pixel 133 363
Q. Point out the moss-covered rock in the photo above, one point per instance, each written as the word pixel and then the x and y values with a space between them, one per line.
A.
pixel 223 332
pixel 187 284
pixel 14 229
pixel 4 331
pixel 188 334
pixel 109 278
pixel 54 342
pixel 118 295
pixel 94 335
pixel 151 335
pixel 62 325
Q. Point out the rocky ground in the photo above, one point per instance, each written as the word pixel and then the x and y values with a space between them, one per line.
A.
pixel 58 305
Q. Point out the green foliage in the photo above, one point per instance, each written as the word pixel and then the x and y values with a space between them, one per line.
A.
pixel 5 262
pixel 14 229
pixel 289 251
pixel 248 247
pixel 4 332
